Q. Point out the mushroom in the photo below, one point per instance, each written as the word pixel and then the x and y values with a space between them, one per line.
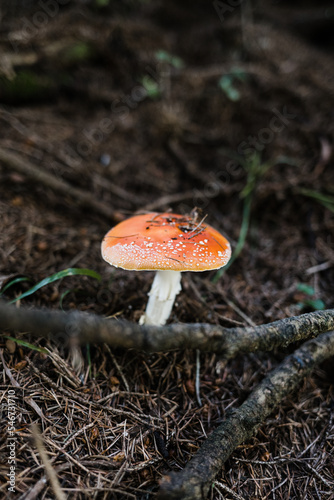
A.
pixel 169 244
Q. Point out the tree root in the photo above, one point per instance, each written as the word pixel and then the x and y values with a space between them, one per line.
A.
pixel 195 480
pixel 76 328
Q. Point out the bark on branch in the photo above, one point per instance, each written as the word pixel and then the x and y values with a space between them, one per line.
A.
pixel 80 328
pixel 194 481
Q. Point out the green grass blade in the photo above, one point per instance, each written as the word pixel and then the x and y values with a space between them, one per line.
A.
pixel 255 170
pixel 13 282
pixel 58 276
pixel 326 200
pixel 64 294
pixel 23 343
pixel 242 237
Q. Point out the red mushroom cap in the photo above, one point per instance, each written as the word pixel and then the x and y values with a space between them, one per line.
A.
pixel 173 242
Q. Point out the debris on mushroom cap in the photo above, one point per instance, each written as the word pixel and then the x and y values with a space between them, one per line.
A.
pixel 165 241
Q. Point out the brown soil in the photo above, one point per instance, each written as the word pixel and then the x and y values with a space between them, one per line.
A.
pixel 74 104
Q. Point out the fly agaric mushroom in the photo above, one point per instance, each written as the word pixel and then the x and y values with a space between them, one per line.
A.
pixel 169 244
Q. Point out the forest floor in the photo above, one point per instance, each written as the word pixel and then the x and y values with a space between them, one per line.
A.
pixel 151 106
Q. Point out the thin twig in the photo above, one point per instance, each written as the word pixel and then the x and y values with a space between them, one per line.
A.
pixel 118 368
pixel 228 490
pixel 319 267
pixel 15 383
pixel 316 473
pixel 59 494
pixel 96 404
pixel 83 198
pixel 38 487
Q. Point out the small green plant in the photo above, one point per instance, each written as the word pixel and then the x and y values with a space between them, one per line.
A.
pixel 151 86
pixel 309 301
pixel 78 52
pixel 164 56
pixel 154 88
pixel 102 3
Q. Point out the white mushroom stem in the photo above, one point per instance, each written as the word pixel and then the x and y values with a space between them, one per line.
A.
pixel 166 285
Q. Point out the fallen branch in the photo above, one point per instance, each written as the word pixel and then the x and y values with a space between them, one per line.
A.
pixel 195 480
pixel 83 198
pixel 75 328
